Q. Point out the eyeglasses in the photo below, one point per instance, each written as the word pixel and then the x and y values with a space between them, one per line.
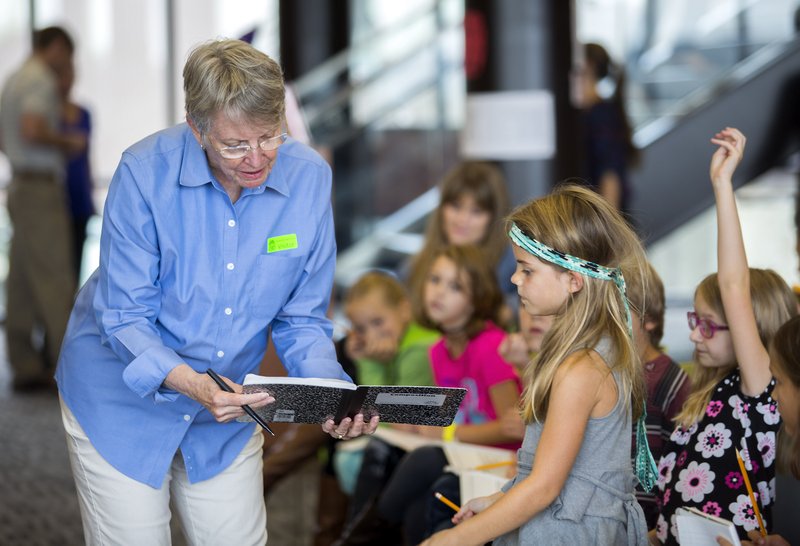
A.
pixel 242 150
pixel 707 327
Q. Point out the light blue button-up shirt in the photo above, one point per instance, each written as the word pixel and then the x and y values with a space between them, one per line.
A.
pixel 185 276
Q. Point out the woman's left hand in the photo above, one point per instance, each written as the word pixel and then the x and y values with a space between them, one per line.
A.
pixel 350 428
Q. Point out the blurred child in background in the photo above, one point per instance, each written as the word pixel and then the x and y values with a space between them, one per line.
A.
pixel 667 384
pixel 461 299
pixel 473 200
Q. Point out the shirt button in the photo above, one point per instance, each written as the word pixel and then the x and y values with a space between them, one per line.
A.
pixel 231 223
pixel 187 417
pixel 230 267
pixel 228 310
pixel 220 353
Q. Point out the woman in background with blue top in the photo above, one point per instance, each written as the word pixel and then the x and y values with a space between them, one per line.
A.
pixel 75 119
pixel 214 232
pixel 607 135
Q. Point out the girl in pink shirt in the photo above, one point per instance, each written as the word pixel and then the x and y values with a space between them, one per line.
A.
pixel 460 299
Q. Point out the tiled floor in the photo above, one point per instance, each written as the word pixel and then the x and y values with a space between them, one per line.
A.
pixel 38 505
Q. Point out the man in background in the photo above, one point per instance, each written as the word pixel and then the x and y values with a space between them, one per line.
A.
pixel 41 281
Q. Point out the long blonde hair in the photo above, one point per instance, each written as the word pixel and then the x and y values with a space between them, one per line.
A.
pixel 576 221
pixel 773 304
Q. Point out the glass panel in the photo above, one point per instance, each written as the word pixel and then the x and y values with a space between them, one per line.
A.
pixel 199 20
pixel 120 63
pixel 402 110
pixel 672 49
pixel 766 212
pixel 15 43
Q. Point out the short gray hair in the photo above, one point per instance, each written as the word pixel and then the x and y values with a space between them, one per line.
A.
pixel 233 77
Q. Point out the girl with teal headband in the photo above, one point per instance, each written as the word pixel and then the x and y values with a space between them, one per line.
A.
pixel 583 391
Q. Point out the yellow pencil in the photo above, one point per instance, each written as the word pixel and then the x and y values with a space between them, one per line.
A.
pixel 489 466
pixel 447 501
pixel 752 495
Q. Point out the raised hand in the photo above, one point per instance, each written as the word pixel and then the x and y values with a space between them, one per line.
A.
pixel 731 144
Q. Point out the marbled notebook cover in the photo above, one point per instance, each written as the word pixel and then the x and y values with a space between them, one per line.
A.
pixel 303 403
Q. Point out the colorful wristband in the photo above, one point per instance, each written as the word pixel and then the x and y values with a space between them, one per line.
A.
pixel 449 433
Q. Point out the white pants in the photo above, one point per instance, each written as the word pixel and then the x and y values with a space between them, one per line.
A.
pixel 115 509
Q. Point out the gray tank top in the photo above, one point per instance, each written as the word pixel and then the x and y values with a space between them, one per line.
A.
pixel 597 505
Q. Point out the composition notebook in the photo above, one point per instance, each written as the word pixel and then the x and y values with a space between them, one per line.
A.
pixel 696 528
pixel 315 400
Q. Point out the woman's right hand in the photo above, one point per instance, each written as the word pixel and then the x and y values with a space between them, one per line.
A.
pixel 224 406
pixel 475 506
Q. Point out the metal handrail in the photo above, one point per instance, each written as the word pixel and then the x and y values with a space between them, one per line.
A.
pixel 329 70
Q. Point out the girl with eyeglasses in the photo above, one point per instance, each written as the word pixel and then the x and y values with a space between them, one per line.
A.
pixel 736 313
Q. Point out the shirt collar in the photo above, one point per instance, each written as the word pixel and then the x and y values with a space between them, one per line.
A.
pixel 194 166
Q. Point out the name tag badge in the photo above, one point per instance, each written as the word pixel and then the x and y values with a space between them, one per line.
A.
pixel 281 242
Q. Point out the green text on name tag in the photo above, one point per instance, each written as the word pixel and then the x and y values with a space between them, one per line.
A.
pixel 281 242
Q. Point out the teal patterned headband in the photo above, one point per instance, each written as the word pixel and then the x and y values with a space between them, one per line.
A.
pixel 573 263
pixel 646 471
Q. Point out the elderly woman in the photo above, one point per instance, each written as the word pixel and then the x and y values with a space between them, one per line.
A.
pixel 214 232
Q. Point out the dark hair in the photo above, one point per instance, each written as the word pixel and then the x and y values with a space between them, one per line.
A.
pixel 647 299
pixel 43 38
pixel 483 290
pixel 601 65
pixel 785 357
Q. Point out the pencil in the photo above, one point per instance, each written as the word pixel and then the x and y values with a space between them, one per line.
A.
pixel 447 501
pixel 247 409
pixel 752 495
pixel 489 466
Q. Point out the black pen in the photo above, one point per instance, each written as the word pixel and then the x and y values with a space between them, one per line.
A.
pixel 247 409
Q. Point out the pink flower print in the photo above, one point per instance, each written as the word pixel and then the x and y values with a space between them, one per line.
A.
pixel 745 453
pixel 695 482
pixel 740 410
pixel 712 508
pixel 661 528
pixel 681 435
pixel 734 480
pixel 682 458
pixel 743 514
pixel 667 495
pixel 665 466
pixel 713 408
pixel 713 441
pixel 766 446
pixel 770 412
pixel 749 463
